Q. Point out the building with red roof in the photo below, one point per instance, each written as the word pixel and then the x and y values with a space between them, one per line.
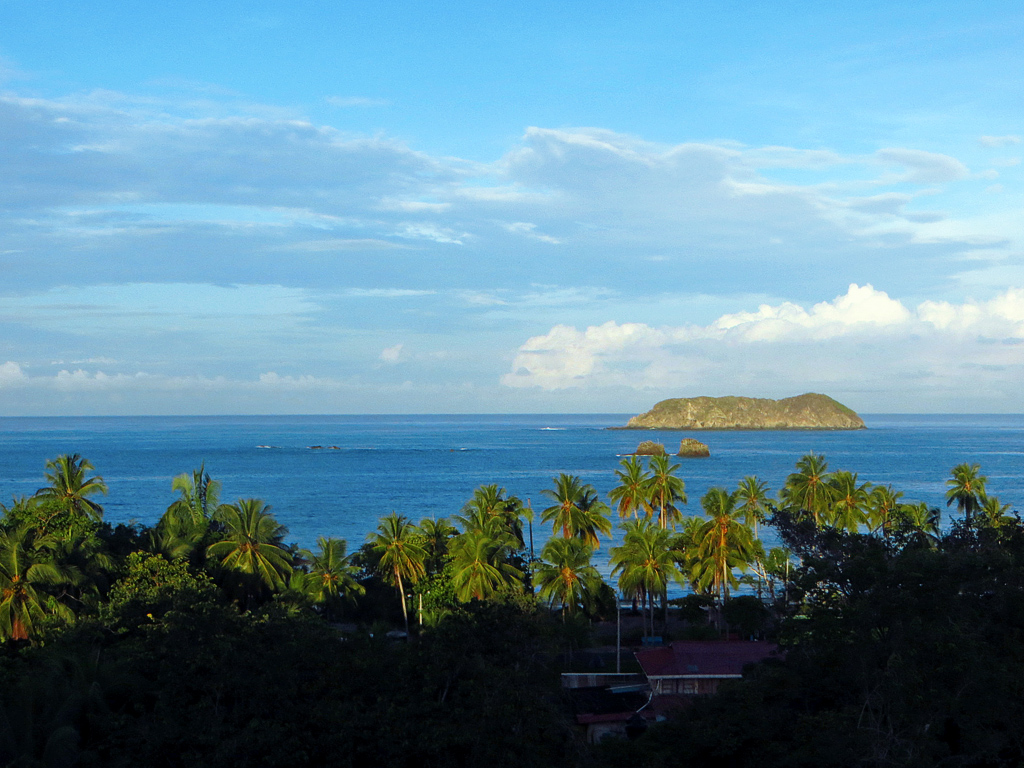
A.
pixel 696 667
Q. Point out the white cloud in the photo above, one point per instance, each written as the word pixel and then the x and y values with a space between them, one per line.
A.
pixel 430 232
pixel 11 375
pixel 342 244
pixel 529 230
pixel 386 293
pixel 391 354
pixel 275 381
pixel 924 167
pixel 356 101
pixel 862 341
pixel 998 141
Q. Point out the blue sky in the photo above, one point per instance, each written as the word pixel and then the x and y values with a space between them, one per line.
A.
pixel 250 207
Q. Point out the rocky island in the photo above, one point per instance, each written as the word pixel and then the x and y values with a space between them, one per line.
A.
pixel 809 411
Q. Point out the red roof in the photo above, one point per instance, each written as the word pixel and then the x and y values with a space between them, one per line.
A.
pixel 703 658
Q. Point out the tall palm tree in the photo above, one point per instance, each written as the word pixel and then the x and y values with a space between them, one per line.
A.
pixel 493 510
pixel 884 509
pixel 23 567
pixel 331 577
pixel 577 511
pixel 481 567
pixel 666 490
pixel 633 493
pixel 69 487
pixel 752 500
pixel 807 488
pixel 966 488
pixel 849 507
pixel 645 562
pixel 435 536
pixel 252 547
pixel 401 553
pixel 565 575
pixel 725 543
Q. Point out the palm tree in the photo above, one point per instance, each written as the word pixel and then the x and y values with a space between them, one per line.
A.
pixel 69 486
pixel 923 521
pixel 481 566
pixel 397 542
pixel 184 526
pixel 725 543
pixel 776 566
pixel 850 501
pixel 577 511
pixel 686 545
pixel 994 513
pixel 200 496
pixel 435 536
pixel 666 490
pixel 633 493
pixel 645 562
pixel 493 510
pixel 966 488
pixel 752 500
pixel 331 576
pixel 565 574
pixel 23 567
pixel 807 489
pixel 251 547
pixel 883 509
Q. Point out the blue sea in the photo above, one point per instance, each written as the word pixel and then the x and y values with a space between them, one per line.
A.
pixel 428 466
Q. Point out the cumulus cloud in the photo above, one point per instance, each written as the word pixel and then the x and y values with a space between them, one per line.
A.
pixel 862 340
pixel 11 375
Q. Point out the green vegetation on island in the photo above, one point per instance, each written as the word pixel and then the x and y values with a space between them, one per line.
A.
pixel 209 639
pixel 809 411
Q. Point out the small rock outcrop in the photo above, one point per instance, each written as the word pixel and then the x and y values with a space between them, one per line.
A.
pixel 694 449
pixel 810 411
pixel 650 448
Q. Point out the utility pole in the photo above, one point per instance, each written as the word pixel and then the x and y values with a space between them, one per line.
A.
pixel 618 635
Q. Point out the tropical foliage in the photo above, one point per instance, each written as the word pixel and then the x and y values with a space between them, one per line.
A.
pixel 666 490
pixel 565 576
pixel 201 640
pixel 251 552
pixel 577 510
pixel 69 489
pixel 401 555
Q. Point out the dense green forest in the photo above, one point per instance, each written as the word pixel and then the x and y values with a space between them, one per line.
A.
pixel 209 639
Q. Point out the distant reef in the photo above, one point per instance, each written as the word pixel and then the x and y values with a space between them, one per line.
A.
pixel 810 411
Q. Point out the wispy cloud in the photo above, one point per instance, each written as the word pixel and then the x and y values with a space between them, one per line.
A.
pixel 356 101
pixel 998 141
pixel 386 293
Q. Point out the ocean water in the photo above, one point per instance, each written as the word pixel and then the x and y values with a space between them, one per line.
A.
pixel 428 466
